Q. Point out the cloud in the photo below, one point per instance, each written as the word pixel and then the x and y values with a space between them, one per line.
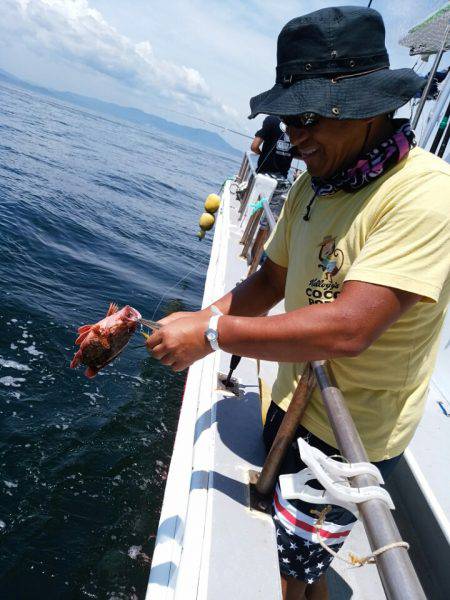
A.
pixel 77 33
pixel 203 58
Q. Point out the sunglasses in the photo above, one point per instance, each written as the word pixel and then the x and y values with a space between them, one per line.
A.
pixel 308 119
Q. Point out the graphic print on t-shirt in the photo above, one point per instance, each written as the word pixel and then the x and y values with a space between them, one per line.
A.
pixel 284 146
pixel 331 259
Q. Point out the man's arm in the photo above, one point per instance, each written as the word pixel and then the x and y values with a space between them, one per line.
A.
pixel 257 294
pixel 256 145
pixel 345 327
pixel 252 297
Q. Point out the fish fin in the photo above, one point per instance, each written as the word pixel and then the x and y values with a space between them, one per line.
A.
pixel 76 359
pixel 84 328
pixel 82 337
pixel 113 308
pixel 96 328
pixel 90 372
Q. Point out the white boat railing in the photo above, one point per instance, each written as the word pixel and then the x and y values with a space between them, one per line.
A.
pixel 250 186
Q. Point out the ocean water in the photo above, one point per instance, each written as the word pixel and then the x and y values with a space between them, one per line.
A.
pixel 92 210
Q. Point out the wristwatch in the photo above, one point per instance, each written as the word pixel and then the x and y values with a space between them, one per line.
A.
pixel 211 333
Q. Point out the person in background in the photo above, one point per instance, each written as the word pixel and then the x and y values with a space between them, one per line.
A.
pixel 272 144
pixel 360 255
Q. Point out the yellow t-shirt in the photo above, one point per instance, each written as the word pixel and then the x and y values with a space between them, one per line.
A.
pixel 393 232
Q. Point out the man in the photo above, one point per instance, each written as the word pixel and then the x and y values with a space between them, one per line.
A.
pixel 360 254
pixel 272 144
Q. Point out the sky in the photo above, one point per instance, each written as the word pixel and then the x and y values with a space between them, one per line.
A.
pixel 203 58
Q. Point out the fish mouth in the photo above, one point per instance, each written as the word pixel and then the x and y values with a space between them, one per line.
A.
pixel 132 314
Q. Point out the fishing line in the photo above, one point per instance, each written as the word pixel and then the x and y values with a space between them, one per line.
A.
pixel 258 169
pixel 177 112
pixel 176 285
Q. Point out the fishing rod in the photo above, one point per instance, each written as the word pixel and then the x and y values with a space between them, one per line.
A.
pixel 178 112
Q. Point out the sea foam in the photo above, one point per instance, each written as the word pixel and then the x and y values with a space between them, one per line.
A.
pixel 12 364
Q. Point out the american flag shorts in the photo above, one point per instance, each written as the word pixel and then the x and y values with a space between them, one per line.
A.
pixel 299 552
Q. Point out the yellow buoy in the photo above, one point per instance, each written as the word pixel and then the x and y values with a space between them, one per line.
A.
pixel 201 234
pixel 212 203
pixel 206 221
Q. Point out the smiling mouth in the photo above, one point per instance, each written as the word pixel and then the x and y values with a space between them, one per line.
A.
pixel 305 154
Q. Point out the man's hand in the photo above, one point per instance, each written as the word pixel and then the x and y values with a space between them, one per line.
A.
pixel 178 315
pixel 181 340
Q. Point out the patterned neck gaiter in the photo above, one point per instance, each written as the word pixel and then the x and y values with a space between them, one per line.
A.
pixel 371 165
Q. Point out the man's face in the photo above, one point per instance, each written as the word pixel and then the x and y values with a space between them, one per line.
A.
pixel 330 145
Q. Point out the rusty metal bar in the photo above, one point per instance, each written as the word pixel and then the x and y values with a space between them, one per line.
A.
pixel 246 195
pixel 396 571
pixel 269 215
pixel 249 225
pixel 250 231
pixel 257 250
pixel 286 433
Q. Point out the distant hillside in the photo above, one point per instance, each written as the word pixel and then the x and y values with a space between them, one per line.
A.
pixel 199 136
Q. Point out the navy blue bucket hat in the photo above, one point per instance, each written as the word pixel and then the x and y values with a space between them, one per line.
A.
pixel 334 62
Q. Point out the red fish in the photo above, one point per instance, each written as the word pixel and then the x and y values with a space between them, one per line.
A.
pixel 102 342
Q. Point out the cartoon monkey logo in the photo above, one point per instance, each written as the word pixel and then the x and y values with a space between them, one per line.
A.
pixel 331 258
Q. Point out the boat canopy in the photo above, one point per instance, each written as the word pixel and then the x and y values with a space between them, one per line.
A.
pixel 426 37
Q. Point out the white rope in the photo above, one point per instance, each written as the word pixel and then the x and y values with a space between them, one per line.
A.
pixel 353 560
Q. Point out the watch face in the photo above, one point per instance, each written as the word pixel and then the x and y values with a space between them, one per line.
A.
pixel 211 335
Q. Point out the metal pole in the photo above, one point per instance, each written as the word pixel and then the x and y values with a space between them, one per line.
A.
pixel 431 74
pixel 241 169
pixel 444 142
pixel 435 111
pixel 286 433
pixel 396 571
pixel 441 130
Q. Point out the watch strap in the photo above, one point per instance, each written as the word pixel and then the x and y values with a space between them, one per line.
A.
pixel 212 326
